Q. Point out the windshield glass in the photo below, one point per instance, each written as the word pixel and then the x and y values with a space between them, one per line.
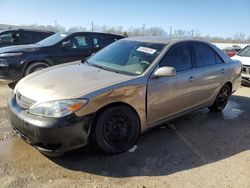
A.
pixel 53 39
pixel 127 57
pixel 245 52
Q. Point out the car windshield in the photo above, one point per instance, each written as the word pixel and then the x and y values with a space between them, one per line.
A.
pixel 127 57
pixel 53 39
pixel 245 52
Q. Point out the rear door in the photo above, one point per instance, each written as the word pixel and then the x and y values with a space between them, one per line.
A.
pixel 209 72
pixel 168 96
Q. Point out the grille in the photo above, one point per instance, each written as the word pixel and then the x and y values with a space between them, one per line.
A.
pixel 24 102
pixel 246 69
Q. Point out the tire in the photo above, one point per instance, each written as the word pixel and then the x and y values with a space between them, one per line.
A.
pixel 221 99
pixel 116 129
pixel 36 66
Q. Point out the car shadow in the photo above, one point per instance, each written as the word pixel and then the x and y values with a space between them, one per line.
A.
pixel 194 140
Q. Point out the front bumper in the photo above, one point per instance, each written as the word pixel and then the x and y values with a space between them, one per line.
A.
pixel 51 136
pixel 10 71
pixel 6 73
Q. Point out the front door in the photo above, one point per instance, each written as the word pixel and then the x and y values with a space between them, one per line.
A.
pixel 168 96
pixel 74 48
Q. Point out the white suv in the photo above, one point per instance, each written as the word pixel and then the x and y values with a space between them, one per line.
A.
pixel 244 57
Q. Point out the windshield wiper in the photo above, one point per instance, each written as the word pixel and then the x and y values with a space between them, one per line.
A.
pixel 100 66
pixel 94 65
pixel 107 69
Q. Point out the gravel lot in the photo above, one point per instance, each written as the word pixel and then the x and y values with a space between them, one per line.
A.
pixel 201 149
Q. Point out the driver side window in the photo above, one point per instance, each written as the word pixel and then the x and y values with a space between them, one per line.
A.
pixel 11 37
pixel 80 42
pixel 179 57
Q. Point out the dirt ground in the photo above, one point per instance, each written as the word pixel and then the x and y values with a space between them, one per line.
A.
pixel 201 149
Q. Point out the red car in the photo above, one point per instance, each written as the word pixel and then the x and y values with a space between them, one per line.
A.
pixel 231 51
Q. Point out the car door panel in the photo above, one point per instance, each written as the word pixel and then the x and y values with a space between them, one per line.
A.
pixel 210 73
pixel 209 81
pixel 169 96
pixel 77 50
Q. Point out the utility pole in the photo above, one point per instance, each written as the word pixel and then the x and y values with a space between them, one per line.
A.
pixel 92 26
pixel 143 29
pixel 170 31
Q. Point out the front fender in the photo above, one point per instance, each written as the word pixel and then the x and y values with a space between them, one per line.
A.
pixel 134 96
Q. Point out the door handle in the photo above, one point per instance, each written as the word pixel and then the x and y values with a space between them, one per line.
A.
pixel 191 78
pixel 222 70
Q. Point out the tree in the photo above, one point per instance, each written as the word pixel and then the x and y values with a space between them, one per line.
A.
pixel 125 34
pixel 76 28
pixel 239 37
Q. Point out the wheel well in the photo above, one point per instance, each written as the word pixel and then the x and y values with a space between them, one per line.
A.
pixel 30 62
pixel 230 86
pixel 97 114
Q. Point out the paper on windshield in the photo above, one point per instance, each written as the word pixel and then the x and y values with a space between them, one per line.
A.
pixel 146 50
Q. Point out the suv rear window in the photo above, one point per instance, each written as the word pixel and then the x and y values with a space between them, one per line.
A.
pixel 102 41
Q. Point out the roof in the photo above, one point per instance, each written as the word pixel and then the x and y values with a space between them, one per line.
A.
pixel 34 30
pixel 151 39
pixel 87 32
pixel 160 39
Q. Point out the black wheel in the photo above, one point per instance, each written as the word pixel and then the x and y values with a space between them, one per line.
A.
pixel 221 99
pixel 36 66
pixel 116 129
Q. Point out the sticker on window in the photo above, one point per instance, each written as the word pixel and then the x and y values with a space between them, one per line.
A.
pixel 146 50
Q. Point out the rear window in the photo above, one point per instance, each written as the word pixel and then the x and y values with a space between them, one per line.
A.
pixel 102 41
pixel 40 36
pixel 204 55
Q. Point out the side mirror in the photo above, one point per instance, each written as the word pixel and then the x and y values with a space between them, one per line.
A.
pixel 66 44
pixel 165 72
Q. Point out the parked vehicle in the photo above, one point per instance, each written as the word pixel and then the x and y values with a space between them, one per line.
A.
pixel 13 37
pixel 231 51
pixel 123 90
pixel 244 57
pixel 19 61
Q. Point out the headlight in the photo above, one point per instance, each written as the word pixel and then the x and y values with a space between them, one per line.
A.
pixel 10 54
pixel 58 108
pixel 3 63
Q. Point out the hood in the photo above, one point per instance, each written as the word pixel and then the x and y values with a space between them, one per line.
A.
pixel 20 48
pixel 244 60
pixel 67 81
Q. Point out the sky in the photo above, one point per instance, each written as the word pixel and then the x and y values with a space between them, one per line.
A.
pixel 222 18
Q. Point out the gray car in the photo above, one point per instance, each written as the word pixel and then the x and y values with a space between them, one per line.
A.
pixel 125 89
